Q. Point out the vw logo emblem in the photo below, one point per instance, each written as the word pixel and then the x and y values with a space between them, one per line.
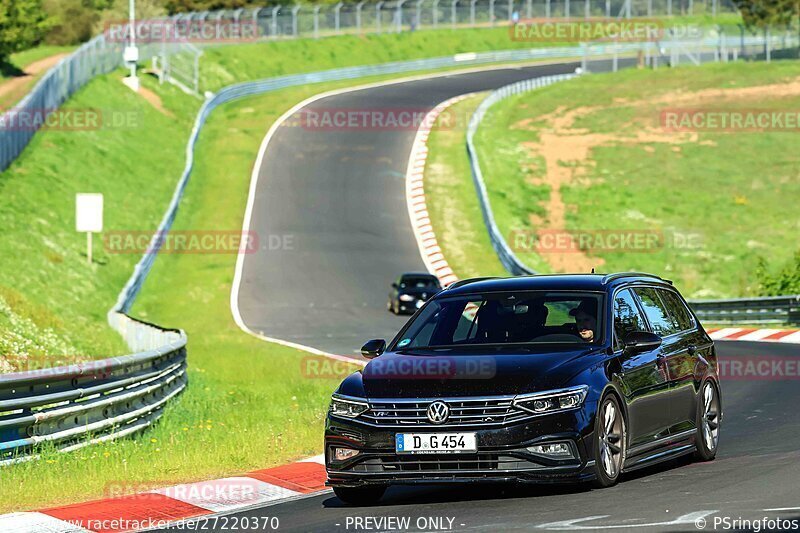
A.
pixel 438 412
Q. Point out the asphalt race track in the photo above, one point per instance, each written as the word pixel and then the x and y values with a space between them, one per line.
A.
pixel 330 208
pixel 340 196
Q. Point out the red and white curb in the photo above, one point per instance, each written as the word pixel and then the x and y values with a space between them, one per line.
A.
pixel 170 505
pixel 791 336
pixel 415 198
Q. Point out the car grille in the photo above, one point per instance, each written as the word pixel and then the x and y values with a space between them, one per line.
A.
pixel 443 463
pixel 463 412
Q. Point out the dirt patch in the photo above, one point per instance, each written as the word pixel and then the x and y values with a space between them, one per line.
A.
pixel 566 151
pixel 154 100
pixel 15 88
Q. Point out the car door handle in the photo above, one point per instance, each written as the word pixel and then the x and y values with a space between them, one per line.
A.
pixel 692 349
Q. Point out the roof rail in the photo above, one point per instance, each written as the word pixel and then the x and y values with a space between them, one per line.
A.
pixel 611 277
pixel 462 282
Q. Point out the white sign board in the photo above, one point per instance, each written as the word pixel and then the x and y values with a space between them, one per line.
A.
pixel 89 212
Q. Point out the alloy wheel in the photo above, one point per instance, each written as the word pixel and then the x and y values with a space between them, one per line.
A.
pixel 611 439
pixel 710 417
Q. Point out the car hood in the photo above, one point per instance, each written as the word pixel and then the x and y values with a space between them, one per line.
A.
pixel 484 373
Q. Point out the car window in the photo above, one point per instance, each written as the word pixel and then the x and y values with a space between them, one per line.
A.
pixel 506 318
pixel 418 282
pixel 677 310
pixel 656 312
pixel 627 317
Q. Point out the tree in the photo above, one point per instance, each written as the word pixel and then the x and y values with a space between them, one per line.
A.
pixel 763 13
pixel 23 24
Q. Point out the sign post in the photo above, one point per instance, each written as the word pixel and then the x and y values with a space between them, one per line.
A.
pixel 89 217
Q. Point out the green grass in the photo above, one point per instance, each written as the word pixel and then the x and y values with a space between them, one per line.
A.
pixel 16 65
pixel 224 65
pixel 452 203
pixel 55 299
pixel 728 190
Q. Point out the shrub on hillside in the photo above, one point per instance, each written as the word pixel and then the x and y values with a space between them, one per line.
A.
pixel 784 281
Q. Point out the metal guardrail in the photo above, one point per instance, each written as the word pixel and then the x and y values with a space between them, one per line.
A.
pixel 76 405
pixel 768 310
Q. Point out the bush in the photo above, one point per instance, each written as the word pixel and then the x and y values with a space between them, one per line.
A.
pixel 785 281
pixel 23 24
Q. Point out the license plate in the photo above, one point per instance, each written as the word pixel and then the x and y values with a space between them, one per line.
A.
pixel 435 442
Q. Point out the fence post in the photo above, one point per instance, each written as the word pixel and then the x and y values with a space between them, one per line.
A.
pixel 669 8
pixel 472 12
pixel 491 11
pixel 316 21
pixel 275 20
pixel 547 9
pixel 586 9
pixel 358 15
pixel 566 8
pixel 398 15
pixel 435 13
pixel 336 9
pixel 295 9
pixel 378 21
pixel 767 44
pixel 510 10
pixel 419 13
pixel 453 13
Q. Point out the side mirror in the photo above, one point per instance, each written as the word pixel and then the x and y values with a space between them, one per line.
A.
pixel 640 341
pixel 373 348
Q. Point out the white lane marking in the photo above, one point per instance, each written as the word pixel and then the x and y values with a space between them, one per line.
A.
pixel 226 494
pixel 576 524
pixel 783 509
pixel 724 332
pixel 36 523
pixel 254 175
pixel 758 334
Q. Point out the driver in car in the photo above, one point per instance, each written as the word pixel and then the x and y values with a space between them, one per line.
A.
pixel 585 320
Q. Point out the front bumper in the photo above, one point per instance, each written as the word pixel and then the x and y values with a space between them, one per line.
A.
pixel 502 453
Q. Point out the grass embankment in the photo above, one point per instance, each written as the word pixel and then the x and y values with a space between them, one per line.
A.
pixel 224 65
pixel 591 156
pixel 53 304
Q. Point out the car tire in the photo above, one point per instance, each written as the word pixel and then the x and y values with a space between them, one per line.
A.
pixel 609 442
pixel 708 422
pixel 367 495
pixel 389 306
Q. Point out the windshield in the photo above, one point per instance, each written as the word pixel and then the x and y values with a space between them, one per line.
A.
pixel 419 282
pixel 525 317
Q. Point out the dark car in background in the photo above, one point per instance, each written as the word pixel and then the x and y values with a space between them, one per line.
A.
pixel 533 379
pixel 411 290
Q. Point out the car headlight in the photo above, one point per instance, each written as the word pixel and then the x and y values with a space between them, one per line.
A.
pixel 406 298
pixel 346 407
pixel 552 401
